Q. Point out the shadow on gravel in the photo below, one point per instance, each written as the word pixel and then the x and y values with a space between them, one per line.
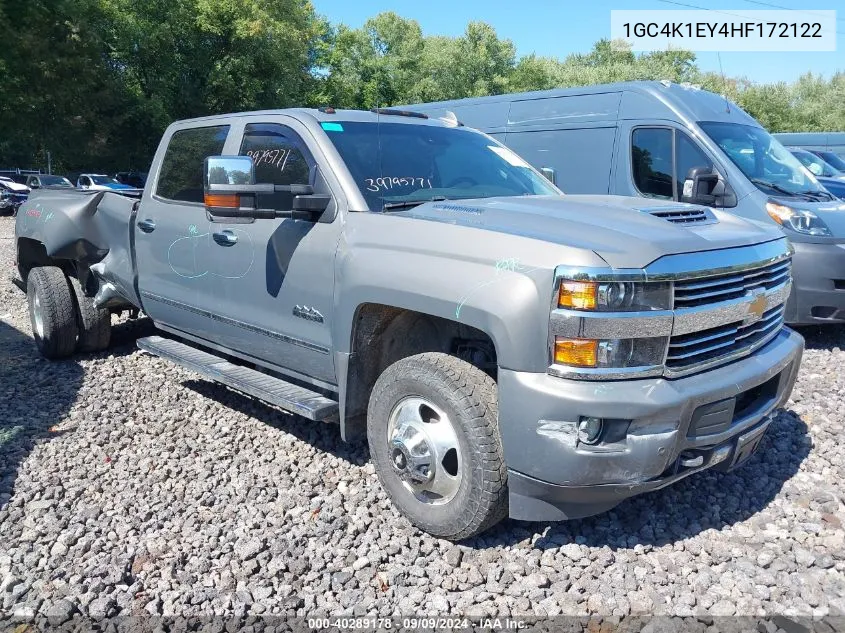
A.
pixel 824 337
pixel 126 333
pixel 35 395
pixel 322 436
pixel 706 500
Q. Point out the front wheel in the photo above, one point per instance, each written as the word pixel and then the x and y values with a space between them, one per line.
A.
pixel 434 439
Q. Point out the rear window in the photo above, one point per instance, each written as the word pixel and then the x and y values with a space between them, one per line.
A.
pixel 181 176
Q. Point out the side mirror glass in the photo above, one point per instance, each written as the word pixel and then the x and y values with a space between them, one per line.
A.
pixel 549 173
pixel 229 170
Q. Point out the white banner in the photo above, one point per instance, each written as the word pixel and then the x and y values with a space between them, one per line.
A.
pixel 726 30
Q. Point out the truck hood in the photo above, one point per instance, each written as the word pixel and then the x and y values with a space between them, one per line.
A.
pixel 620 230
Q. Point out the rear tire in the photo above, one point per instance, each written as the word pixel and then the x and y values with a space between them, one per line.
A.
pixel 432 427
pixel 52 312
pixel 94 323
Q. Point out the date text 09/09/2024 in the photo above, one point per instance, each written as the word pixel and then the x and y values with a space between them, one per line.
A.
pixel 416 623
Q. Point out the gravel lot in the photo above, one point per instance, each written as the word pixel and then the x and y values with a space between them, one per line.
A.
pixel 128 485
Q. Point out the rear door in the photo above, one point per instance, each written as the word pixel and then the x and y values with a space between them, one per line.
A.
pixel 177 258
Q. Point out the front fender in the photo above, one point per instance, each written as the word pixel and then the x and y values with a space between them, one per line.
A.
pixel 498 283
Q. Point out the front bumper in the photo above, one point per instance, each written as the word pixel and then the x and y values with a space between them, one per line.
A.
pixel 657 431
pixel 818 284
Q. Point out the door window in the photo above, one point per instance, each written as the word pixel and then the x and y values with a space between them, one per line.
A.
pixel 661 159
pixel 280 157
pixel 181 176
pixel 651 161
pixel 687 156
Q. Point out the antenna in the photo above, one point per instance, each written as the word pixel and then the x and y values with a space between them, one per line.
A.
pixel 724 84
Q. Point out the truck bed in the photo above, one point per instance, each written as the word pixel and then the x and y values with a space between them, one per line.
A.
pixel 92 229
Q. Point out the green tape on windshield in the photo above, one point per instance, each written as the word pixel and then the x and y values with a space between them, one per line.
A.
pixel 331 127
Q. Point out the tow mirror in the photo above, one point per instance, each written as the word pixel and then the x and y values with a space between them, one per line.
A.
pixel 549 173
pixel 704 185
pixel 231 192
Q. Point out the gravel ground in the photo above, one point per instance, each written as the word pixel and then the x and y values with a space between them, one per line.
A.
pixel 128 485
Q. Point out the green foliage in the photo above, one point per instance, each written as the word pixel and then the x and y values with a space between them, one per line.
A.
pixel 96 81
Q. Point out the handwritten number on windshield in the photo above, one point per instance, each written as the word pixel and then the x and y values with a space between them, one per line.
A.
pixel 386 182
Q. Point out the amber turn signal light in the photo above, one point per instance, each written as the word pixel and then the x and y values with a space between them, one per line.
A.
pixel 224 200
pixel 580 295
pixel 576 352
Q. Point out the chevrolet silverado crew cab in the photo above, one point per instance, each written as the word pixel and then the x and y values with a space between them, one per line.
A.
pixel 504 348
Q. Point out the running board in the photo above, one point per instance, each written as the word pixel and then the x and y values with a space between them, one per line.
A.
pixel 309 404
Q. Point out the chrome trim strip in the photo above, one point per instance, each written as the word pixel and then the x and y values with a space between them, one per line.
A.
pixel 234 322
pixel 621 373
pixel 714 263
pixel 603 325
pixel 687 265
pixel 698 318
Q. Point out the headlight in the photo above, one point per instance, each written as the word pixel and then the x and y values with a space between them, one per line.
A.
pixel 805 222
pixel 614 296
pixel 609 353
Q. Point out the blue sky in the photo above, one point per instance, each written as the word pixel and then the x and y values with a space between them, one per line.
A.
pixel 557 28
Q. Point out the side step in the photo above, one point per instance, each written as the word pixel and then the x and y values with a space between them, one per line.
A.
pixel 309 404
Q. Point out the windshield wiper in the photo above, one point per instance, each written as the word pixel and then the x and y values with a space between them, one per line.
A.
pixel 777 187
pixel 408 204
pixel 817 194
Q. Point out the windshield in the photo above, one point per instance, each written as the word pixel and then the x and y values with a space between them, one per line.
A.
pixel 817 165
pixel 764 161
pixel 104 180
pixel 834 160
pixel 55 180
pixel 397 163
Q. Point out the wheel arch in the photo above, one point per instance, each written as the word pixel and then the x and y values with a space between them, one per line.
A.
pixel 381 334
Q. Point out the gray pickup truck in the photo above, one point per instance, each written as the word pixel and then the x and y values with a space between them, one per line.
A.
pixel 505 349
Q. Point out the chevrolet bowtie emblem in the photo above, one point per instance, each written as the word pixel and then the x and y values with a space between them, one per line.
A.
pixel 756 307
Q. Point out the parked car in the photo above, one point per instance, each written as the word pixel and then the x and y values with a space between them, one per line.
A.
pixel 12 195
pixel 101 182
pixel 833 142
pixel 661 140
pixel 132 178
pixel 505 349
pixel 831 158
pixel 831 178
pixel 37 181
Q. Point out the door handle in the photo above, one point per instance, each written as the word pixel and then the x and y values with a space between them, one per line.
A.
pixel 225 238
pixel 147 226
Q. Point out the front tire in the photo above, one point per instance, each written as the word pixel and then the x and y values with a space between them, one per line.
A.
pixel 432 427
pixel 52 312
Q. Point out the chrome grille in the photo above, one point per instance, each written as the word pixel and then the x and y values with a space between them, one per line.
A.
pixel 716 343
pixel 684 215
pixel 702 291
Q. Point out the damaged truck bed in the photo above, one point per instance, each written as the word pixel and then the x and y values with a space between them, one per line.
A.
pixel 89 231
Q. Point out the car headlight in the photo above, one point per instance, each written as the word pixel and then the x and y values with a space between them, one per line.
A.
pixel 800 221
pixel 614 296
pixel 610 353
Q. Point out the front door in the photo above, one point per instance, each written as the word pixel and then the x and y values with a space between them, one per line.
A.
pixel 179 269
pixel 277 305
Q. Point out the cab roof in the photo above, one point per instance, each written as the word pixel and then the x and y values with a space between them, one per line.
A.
pixel 320 115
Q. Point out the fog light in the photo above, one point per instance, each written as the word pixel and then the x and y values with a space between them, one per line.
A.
pixel 589 430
